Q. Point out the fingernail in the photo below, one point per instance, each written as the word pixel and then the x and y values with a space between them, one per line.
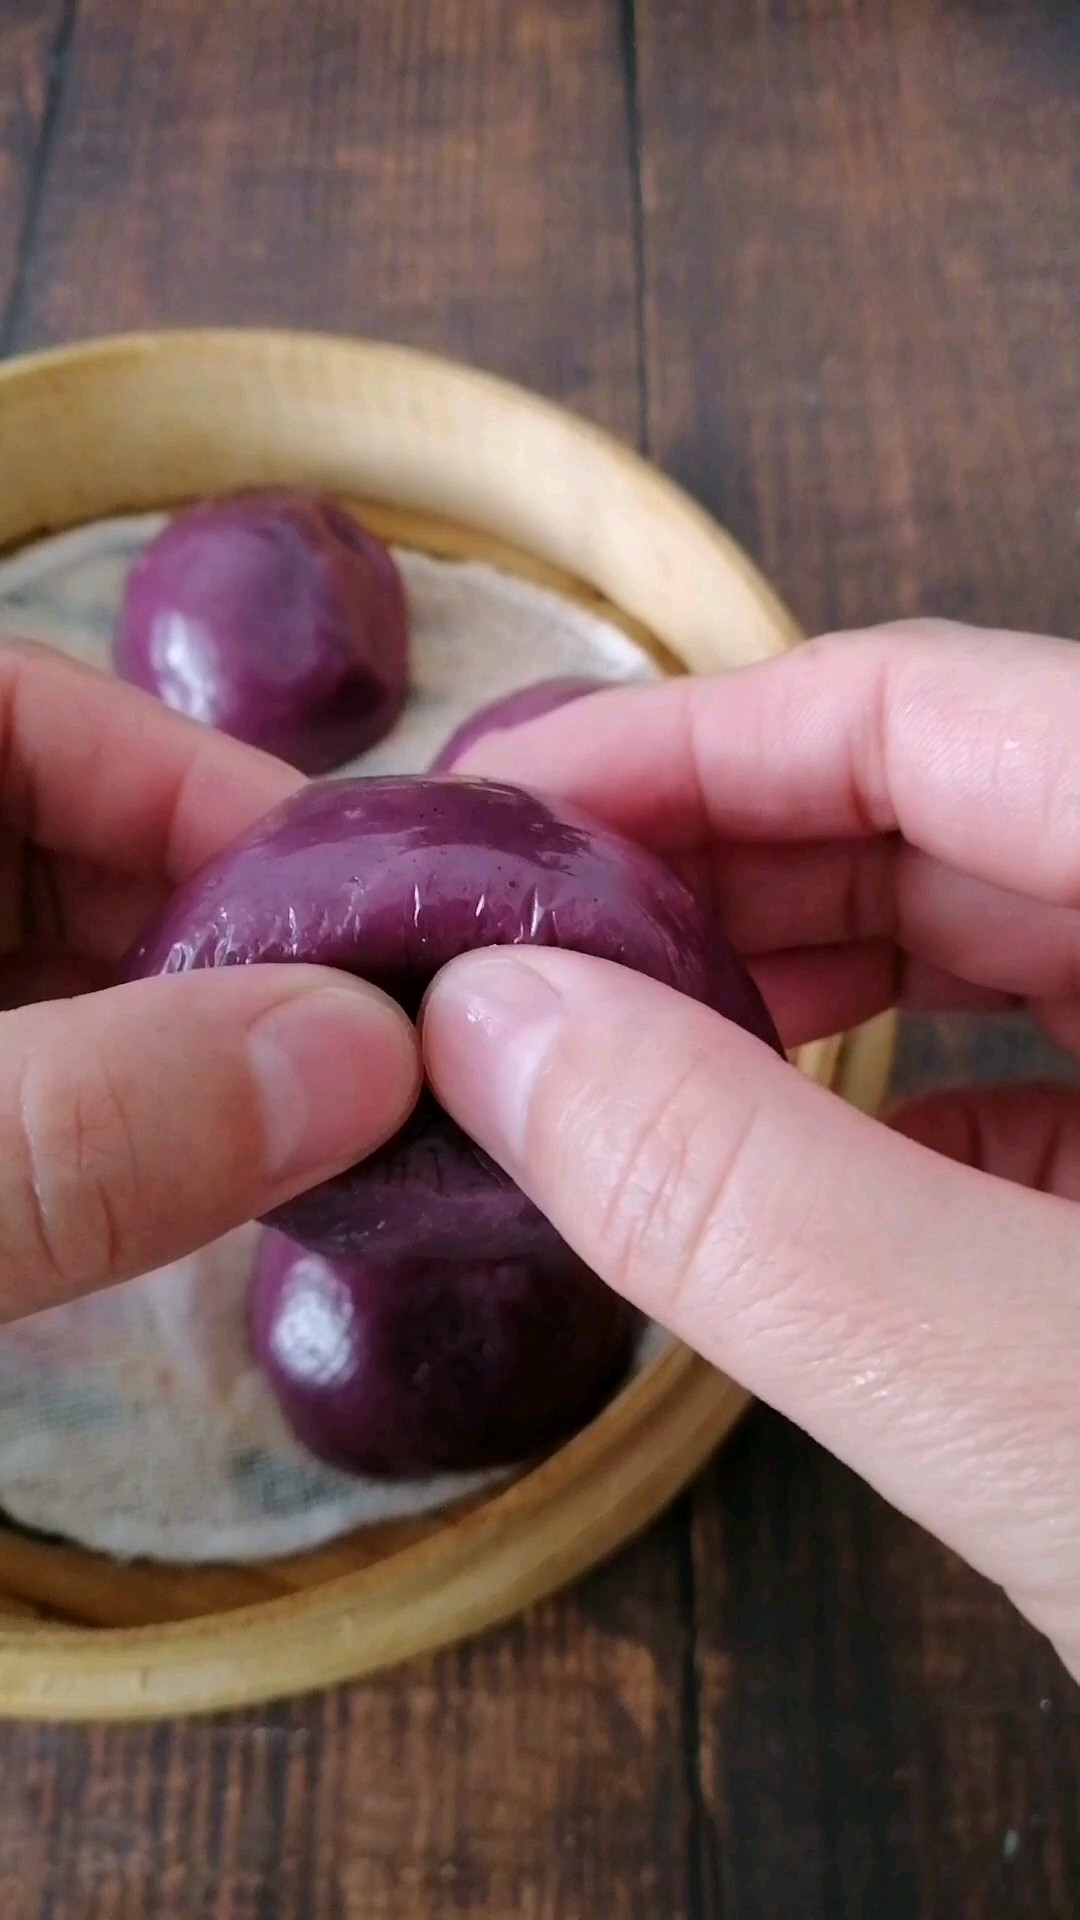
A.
pixel 337 1072
pixel 489 1025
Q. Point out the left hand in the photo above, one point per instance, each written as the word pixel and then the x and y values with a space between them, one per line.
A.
pixel 139 1122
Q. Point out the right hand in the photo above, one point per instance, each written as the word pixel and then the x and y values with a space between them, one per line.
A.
pixel 892 815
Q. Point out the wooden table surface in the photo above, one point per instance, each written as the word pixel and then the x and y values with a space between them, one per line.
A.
pixel 822 260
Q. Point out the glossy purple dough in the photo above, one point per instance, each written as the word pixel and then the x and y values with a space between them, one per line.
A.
pixel 391 878
pixel 429 1366
pixel 513 710
pixel 275 617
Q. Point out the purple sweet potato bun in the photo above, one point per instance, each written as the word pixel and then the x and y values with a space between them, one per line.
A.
pixel 513 710
pixel 419 1367
pixel 389 879
pixel 275 617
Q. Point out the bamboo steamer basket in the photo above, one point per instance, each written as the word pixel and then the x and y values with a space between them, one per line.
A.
pixel 454 463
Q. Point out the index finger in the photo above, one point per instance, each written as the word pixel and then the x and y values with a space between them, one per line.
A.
pixel 96 770
pixel 962 741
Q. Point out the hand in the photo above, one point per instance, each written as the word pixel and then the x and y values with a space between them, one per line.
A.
pixel 893 815
pixel 139 1122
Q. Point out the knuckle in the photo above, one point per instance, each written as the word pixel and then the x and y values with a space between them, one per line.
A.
pixel 674 1217
pixel 79 1172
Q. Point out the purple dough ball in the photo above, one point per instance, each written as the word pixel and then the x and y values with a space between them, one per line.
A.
pixel 391 878
pixel 513 710
pixel 430 1366
pixel 275 617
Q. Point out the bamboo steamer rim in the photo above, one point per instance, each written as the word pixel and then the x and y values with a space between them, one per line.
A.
pixel 470 463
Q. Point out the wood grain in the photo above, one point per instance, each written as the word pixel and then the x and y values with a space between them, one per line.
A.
pixel 452 175
pixel 861 290
pixel 33 38
pixel 862 287
pixel 539 1772
pixel 859 261
pixel 878 1732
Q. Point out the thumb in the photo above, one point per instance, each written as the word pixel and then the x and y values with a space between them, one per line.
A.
pixel 139 1123
pixel 919 1318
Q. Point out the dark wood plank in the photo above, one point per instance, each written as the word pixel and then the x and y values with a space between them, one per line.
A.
pixel 837 203
pixel 879 1733
pixel 571 1795
pixel 455 175
pixel 451 174
pixel 541 1771
pixel 32 35
pixel 861 289
pixel 862 294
